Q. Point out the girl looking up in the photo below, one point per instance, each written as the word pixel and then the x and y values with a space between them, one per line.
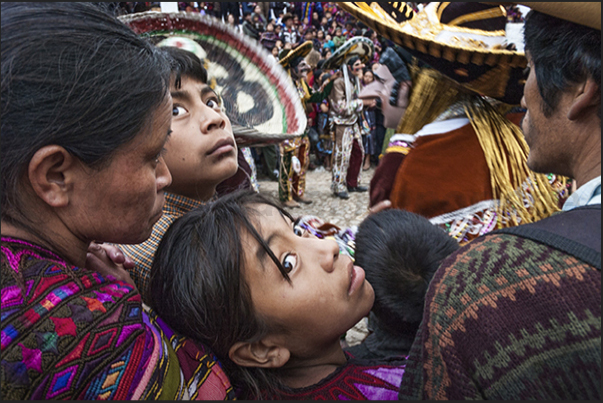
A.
pixel 270 299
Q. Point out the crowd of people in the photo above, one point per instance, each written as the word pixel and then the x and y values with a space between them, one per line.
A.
pixel 126 275
pixel 283 26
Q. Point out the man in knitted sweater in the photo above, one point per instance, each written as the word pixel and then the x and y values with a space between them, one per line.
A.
pixel 518 315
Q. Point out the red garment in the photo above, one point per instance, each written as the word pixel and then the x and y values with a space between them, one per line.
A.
pixel 356 380
pixel 441 174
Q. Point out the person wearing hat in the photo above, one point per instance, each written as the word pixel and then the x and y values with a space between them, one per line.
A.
pixel 459 158
pixel 295 153
pixel 289 33
pixel 346 111
pixel 516 314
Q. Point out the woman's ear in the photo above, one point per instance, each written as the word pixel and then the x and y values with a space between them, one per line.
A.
pixel 588 97
pixel 260 354
pixel 49 173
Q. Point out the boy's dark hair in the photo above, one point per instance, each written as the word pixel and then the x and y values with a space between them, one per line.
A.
pixel 563 53
pixel 185 64
pixel 400 251
pixel 198 271
pixel 75 76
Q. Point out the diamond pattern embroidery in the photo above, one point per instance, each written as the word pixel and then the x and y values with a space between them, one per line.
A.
pixel 102 341
pixel 62 382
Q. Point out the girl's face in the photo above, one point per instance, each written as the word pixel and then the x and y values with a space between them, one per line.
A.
pixel 368 77
pixel 327 294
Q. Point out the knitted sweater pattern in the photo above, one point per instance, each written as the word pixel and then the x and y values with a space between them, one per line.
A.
pixel 508 318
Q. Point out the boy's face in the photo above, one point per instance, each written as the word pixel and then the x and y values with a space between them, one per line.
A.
pixel 201 151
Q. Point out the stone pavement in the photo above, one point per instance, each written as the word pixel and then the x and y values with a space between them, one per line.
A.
pixel 343 213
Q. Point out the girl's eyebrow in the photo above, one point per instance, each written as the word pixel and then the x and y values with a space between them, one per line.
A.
pixel 261 252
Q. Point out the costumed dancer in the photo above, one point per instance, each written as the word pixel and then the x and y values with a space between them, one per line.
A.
pixel 460 158
pixel 295 153
pixel 346 111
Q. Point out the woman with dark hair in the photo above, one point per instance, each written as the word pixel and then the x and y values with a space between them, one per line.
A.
pixel 271 299
pixel 86 113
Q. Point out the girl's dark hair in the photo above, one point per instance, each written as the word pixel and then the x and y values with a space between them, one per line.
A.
pixel 198 272
pixel 74 76
pixel 563 53
pixel 185 64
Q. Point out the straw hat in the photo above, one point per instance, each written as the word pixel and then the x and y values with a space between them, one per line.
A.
pixel 356 46
pixel 465 41
pixel 258 96
pixel 288 55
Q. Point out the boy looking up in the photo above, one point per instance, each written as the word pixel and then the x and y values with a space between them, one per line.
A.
pixel 200 154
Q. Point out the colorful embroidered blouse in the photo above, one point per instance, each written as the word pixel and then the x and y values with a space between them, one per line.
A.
pixel 69 333
pixel 357 380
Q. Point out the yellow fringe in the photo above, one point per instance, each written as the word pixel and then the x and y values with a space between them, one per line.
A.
pixel 506 154
pixel 502 141
pixel 431 94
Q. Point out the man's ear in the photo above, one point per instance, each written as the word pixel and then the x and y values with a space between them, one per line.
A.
pixel 260 354
pixel 50 176
pixel 588 97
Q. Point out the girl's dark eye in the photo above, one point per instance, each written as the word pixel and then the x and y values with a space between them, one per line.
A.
pixel 289 262
pixel 298 229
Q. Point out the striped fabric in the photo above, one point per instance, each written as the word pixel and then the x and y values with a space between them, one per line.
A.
pixel 142 254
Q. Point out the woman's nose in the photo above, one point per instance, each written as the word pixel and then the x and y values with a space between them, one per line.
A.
pixel 164 177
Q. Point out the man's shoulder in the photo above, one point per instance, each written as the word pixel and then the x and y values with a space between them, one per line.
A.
pixel 497 259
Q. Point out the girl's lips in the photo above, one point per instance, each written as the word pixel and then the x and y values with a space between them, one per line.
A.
pixel 357 277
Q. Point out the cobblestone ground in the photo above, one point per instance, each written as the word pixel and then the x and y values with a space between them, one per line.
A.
pixel 343 213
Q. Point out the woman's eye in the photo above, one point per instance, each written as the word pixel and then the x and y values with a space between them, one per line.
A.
pixel 178 110
pixel 289 262
pixel 159 155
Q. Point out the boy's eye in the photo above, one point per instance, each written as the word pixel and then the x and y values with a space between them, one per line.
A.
pixel 178 110
pixel 213 103
pixel 289 262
